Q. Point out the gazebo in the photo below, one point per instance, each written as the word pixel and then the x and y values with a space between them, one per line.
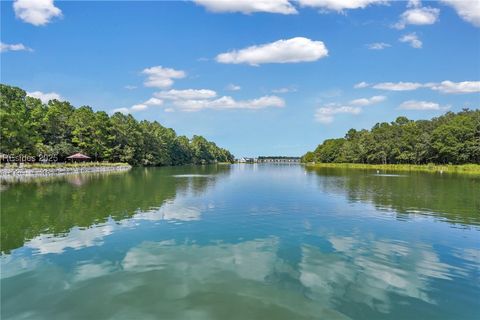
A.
pixel 78 157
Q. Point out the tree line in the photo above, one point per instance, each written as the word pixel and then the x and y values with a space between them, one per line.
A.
pixel 30 127
pixel 451 138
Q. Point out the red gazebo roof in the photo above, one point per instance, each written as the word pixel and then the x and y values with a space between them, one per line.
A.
pixel 78 156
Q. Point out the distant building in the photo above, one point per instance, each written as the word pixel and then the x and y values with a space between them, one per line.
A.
pixel 247 160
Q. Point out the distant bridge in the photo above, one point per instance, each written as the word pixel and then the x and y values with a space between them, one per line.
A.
pixel 279 159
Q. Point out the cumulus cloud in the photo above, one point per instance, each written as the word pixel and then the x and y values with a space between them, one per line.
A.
pixel 361 85
pixel 417 15
pixel 248 6
pixel 378 46
pixel 186 94
pixel 412 40
pixel 153 102
pixel 45 96
pixel 140 107
pixel 36 12
pixel 468 10
pixel 200 99
pixel 368 101
pixel 446 86
pixel 4 47
pixel 121 110
pixel 456 87
pixel 233 87
pixel 227 102
pixel 292 50
pixel 339 5
pixel 160 77
pixel 421 105
pixel 326 113
pixel 398 86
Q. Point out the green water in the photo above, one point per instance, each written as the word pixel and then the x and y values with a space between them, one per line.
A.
pixel 241 242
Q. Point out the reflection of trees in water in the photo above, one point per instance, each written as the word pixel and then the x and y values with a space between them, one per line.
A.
pixel 454 197
pixel 55 205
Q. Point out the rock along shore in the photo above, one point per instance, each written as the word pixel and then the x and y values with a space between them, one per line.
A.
pixel 25 172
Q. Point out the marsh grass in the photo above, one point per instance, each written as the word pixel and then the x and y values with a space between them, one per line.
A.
pixel 448 168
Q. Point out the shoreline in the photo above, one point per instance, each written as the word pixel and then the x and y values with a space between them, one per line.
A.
pixel 57 170
pixel 473 169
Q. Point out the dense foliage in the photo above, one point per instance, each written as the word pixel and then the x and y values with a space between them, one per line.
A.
pixel 29 127
pixel 452 138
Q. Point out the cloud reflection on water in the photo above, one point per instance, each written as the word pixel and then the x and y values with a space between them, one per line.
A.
pixel 78 238
pixel 372 272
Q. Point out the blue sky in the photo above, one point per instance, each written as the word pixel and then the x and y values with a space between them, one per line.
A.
pixel 258 78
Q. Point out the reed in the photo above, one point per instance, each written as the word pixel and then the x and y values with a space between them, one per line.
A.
pixel 447 168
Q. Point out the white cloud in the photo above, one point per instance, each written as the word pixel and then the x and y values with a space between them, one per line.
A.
pixel 456 87
pixel 421 105
pixel 285 90
pixel 339 5
pixel 160 77
pixel 36 12
pixel 227 102
pixel 153 102
pixel 45 96
pixel 412 39
pixel 361 85
pixel 248 6
pixel 201 99
pixel 326 114
pixel 138 107
pixel 130 87
pixel 443 87
pixel 233 87
pixel 4 47
pixel 417 15
pixel 398 86
pixel 368 101
pixel 121 110
pixel 468 10
pixel 378 46
pixel 293 50
pixel 192 94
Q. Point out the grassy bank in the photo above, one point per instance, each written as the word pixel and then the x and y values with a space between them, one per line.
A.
pixel 63 165
pixel 464 168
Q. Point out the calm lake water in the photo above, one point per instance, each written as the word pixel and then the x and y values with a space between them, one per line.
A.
pixel 241 242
